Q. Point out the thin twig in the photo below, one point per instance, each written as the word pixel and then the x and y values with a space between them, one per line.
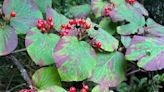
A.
pixel 17 51
pixel 135 71
pixel 10 81
pixel 20 85
pixel 21 69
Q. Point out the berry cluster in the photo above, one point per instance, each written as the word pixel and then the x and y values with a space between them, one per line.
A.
pixel 95 43
pixel 84 89
pixel 107 10
pixel 131 1
pixel 76 23
pixel 45 26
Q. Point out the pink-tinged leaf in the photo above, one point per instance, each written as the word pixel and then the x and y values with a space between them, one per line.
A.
pixel 53 89
pixel 140 8
pixel 46 77
pixel 126 40
pixel 127 12
pixel 100 88
pixel 109 43
pixel 149 51
pixel 110 70
pixel 80 11
pixel 27 14
pixel 8 40
pixel 74 59
pixel 58 19
pixel 154 28
pixel 98 7
pixel 40 46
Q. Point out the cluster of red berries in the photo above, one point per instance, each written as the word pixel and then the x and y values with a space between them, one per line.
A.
pixel 45 25
pixel 84 89
pixel 107 10
pixel 27 90
pixel 131 1
pixel 13 14
pixel 78 23
pixel 98 44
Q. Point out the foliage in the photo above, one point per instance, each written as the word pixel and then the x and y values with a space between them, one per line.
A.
pixel 94 41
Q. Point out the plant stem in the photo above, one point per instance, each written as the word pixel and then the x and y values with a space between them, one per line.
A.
pixel 17 51
pixel 22 70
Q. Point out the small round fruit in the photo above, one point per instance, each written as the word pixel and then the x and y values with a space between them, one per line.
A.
pixel 87 26
pixel 49 19
pixel 78 26
pixel 71 22
pixel 64 34
pixel 83 90
pixel 13 14
pixel 39 26
pixel 51 24
pixel 98 45
pixel 72 89
pixel 68 26
pixel 40 20
pixel 86 87
pixel 43 30
pixel 62 26
pixel 96 27
pixel 82 22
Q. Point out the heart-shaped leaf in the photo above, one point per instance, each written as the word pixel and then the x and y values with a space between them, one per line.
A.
pixel 149 51
pixel 74 59
pixel 108 25
pixel 126 12
pixel 140 8
pixel 81 11
pixel 40 46
pixel 43 4
pixel 53 89
pixel 109 43
pixel 110 70
pixel 100 88
pixel 8 40
pixel 154 28
pixel 126 40
pixel 46 77
pixel 27 14
pixel 98 7
pixel 58 19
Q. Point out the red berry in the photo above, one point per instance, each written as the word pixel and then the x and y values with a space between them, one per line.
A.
pixel 68 26
pixel 113 4
pixel 83 90
pixel 43 30
pixel 98 45
pixel 71 22
pixel 62 26
pixel 87 26
pixel 39 26
pixel 131 1
pixel 64 34
pixel 49 19
pixel 51 24
pixel 82 22
pixel 85 87
pixel 77 21
pixel 72 89
pixel 13 14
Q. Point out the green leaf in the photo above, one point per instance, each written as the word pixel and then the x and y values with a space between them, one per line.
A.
pixel 140 8
pixel 27 14
pixel 126 40
pixel 126 12
pixel 80 11
pixel 154 28
pixel 100 88
pixel 53 89
pixel 8 40
pixel 98 7
pixel 46 77
pixel 149 51
pixel 110 70
pixel 108 25
pixel 117 2
pixel 43 4
pixel 58 19
pixel 40 46
pixel 109 43
pixel 74 59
